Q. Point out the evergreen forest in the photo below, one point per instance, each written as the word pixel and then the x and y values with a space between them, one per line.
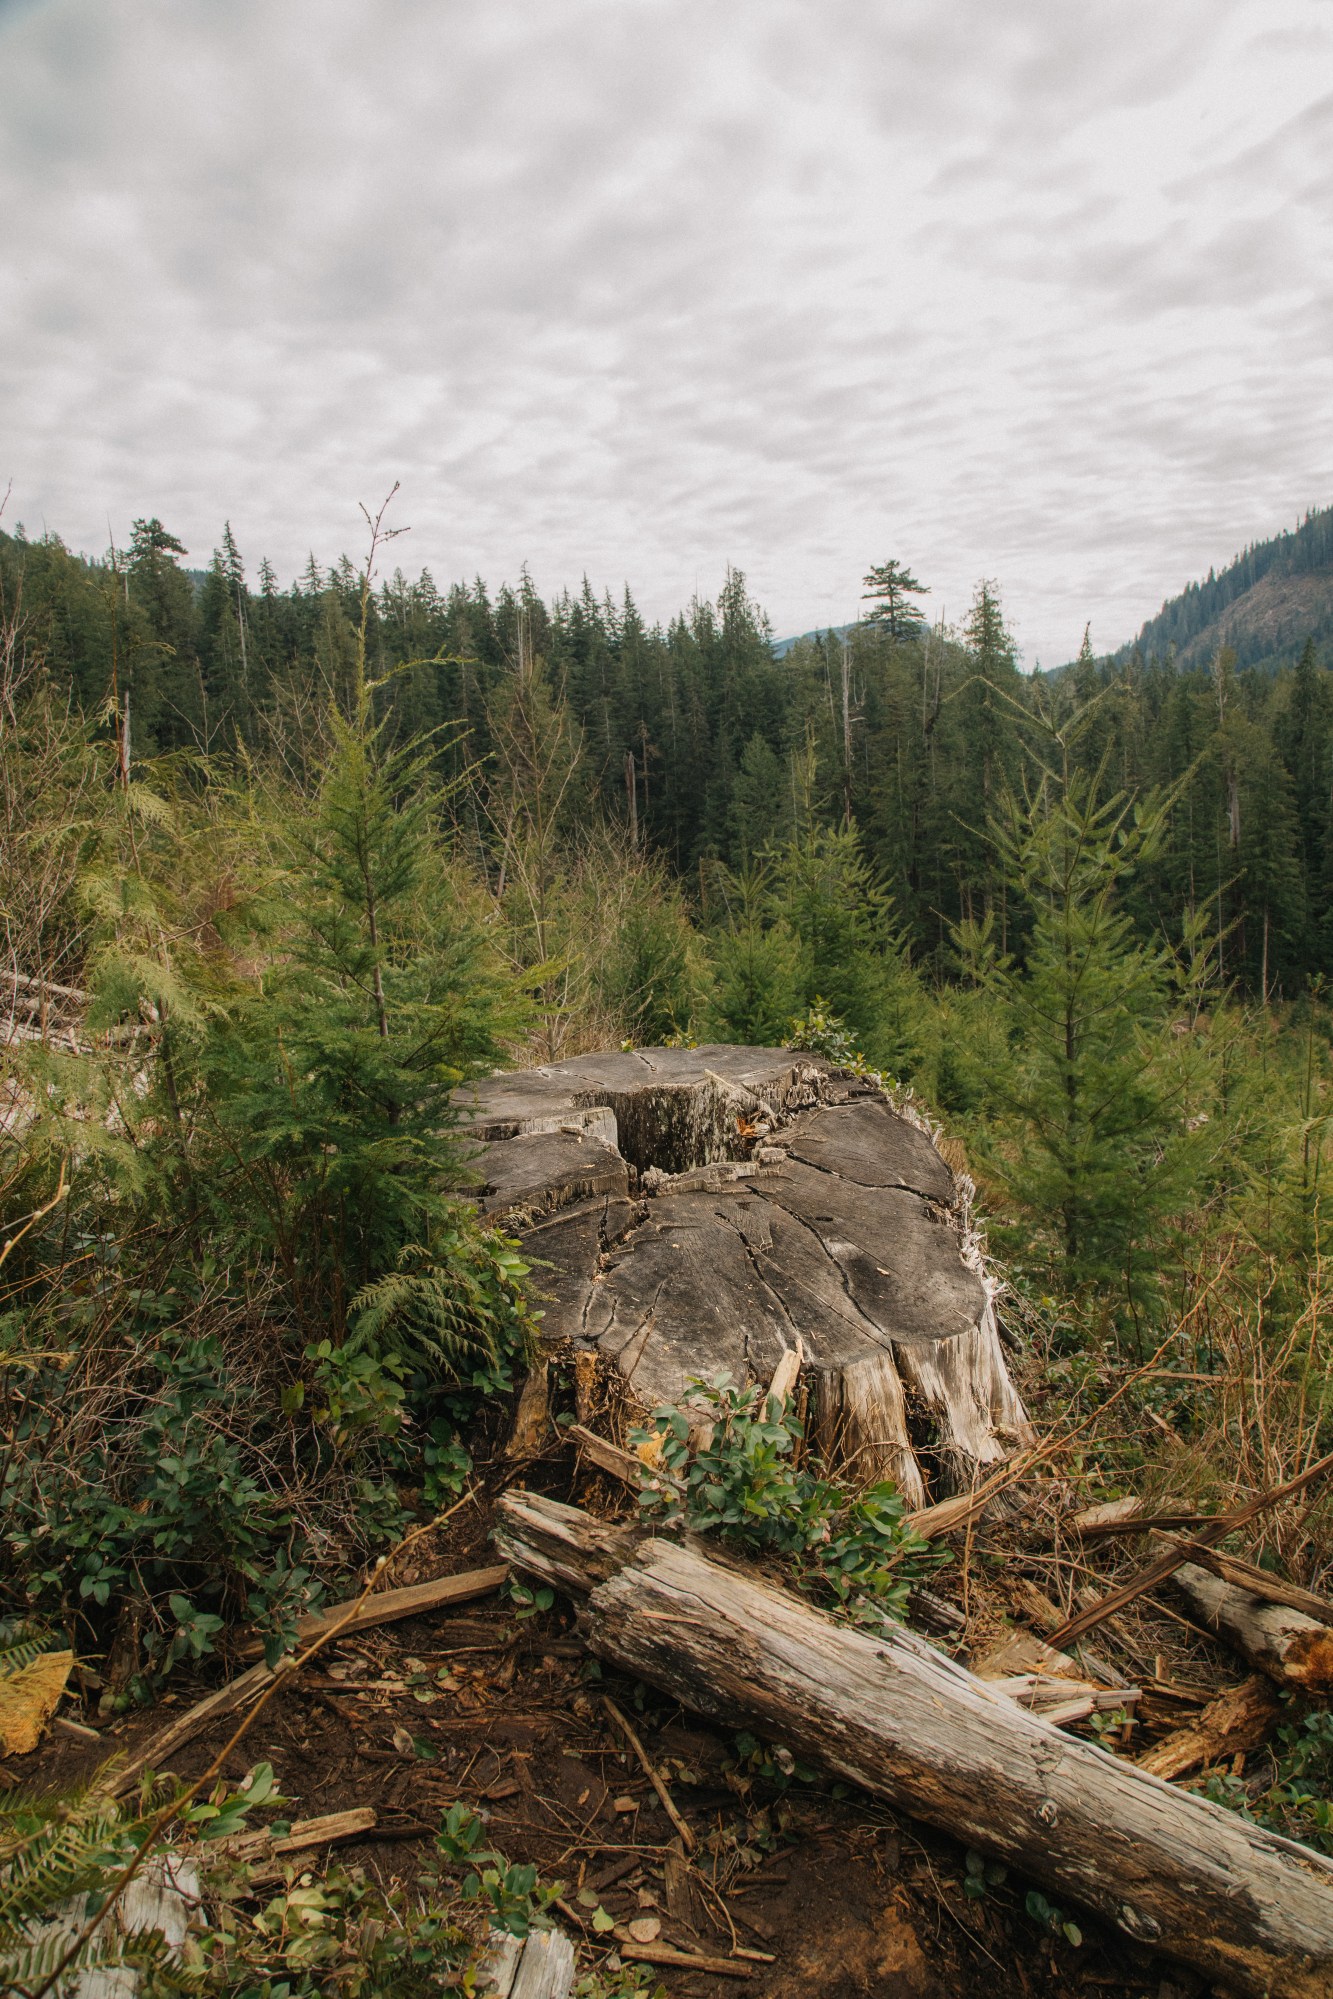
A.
pixel 282 867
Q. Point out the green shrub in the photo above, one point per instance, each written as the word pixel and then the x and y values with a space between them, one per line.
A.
pixel 853 1551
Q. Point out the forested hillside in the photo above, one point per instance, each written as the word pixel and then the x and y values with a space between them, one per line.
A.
pixel 1264 605
pixel 706 752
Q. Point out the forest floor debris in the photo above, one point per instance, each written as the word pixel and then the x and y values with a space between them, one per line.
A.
pixel 794 1878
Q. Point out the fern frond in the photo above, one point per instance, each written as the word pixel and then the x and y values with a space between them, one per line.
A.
pixel 20 1644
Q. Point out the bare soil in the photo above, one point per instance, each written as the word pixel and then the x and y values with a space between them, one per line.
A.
pixel 845 1898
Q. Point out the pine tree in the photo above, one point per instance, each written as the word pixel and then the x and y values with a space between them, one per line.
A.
pixel 1090 1136
pixel 891 587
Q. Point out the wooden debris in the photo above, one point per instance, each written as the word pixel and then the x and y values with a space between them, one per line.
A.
pixel 538 1966
pixel 1110 1513
pixel 1240 1719
pixel 1020 1652
pixel 1063 1701
pixel 390 1605
pixel 890 1713
pixel 949 1516
pixel 1258 1582
pixel 1286 1644
pixel 533 1416
pixel 686 1960
pixel 787 1373
pixel 1168 1562
pixel 1142 1523
pixel 626 1728
pixel 164 1896
pixel 384 1608
pixel 263 1854
pixel 607 1457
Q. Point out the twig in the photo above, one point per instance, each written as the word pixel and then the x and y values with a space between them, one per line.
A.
pixel 668 1804
pixel 158 1824
pixel 1166 1565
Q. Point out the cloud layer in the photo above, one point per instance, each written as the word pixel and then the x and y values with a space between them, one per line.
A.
pixel 647 286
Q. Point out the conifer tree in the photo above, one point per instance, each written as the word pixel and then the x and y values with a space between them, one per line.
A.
pixel 1091 1137
pixel 891 587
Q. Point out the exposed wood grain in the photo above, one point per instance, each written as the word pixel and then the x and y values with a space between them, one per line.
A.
pixel 1240 1719
pixel 1256 1581
pixel 1288 1646
pixel 891 1714
pixel 842 1246
pixel 1168 1562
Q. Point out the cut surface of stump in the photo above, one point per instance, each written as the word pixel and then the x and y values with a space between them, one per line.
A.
pixel 696 1212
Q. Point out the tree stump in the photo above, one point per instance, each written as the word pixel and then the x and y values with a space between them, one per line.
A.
pixel 694 1212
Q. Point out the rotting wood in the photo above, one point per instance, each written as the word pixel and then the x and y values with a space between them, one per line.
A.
pixel 1285 1644
pixel 1238 1720
pixel 889 1713
pixel 1167 1563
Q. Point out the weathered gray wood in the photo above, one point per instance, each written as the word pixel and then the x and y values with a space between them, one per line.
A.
pixel 1284 1643
pixel 764 1202
pixel 1172 1870
pixel 546 1968
pixel 164 1895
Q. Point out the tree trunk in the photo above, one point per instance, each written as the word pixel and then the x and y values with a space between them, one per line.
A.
pixel 898 1718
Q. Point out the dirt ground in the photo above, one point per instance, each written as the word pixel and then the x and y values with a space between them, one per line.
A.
pixel 830 1891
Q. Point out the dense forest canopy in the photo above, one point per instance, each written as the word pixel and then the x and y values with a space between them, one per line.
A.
pixel 712 752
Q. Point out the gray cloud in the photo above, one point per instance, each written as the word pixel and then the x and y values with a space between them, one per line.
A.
pixel 644 286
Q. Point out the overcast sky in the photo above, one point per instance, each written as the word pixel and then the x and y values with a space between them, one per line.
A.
pixel 1036 290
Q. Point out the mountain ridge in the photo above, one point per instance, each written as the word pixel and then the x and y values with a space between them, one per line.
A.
pixel 1265 604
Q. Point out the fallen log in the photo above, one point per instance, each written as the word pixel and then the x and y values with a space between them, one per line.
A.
pixel 1290 1647
pixel 1237 1721
pixel 889 1713
pixel 1258 1582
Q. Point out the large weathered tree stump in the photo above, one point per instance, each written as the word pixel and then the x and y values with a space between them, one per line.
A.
pixel 693 1212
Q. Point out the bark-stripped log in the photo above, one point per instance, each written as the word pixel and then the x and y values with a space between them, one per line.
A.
pixel 1286 1644
pixel 1195 1881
